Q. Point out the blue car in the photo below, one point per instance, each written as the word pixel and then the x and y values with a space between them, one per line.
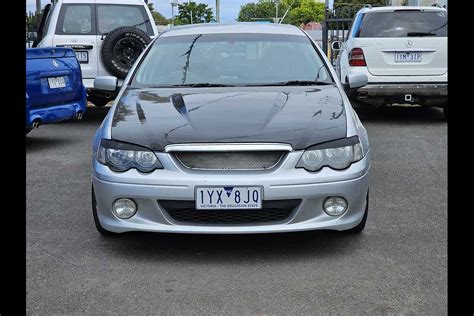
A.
pixel 54 89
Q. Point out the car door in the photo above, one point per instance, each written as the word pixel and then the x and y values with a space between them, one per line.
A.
pixel 111 15
pixel 76 28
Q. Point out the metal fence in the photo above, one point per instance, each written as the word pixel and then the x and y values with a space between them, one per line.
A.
pixel 336 25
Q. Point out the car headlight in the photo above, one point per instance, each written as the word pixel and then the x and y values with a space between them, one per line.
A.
pixel 338 155
pixel 121 157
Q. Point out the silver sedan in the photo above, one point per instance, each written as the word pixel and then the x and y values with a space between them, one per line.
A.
pixel 231 128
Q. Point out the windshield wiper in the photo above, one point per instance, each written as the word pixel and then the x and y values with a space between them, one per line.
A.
pixel 208 84
pixel 421 34
pixel 194 85
pixel 298 83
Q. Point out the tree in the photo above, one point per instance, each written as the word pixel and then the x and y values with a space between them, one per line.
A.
pixel 307 11
pixel 33 20
pixel 361 2
pixel 301 11
pixel 157 16
pixel 347 9
pixel 262 10
pixel 201 13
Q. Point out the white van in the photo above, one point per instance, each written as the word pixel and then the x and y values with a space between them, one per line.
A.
pixel 107 36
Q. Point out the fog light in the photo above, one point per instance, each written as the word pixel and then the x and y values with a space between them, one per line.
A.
pixel 124 208
pixel 335 205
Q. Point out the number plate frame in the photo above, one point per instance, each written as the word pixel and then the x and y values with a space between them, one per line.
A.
pixel 198 206
pixel 55 82
pixel 80 60
pixel 398 58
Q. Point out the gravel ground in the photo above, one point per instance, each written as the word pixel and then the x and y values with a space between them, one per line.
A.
pixel 397 265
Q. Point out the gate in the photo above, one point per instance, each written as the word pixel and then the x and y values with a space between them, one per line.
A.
pixel 336 25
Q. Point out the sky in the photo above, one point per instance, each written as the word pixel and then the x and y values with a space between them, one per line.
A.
pixel 229 8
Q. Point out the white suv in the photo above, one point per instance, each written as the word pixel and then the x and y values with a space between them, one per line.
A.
pixel 107 36
pixel 403 52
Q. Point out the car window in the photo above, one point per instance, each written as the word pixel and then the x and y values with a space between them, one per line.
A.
pixel 75 19
pixel 404 23
pixel 110 17
pixel 231 59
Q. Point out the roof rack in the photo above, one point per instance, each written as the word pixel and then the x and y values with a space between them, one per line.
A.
pixel 367 6
pixel 436 5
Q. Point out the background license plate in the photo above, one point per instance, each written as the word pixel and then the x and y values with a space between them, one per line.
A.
pixel 56 82
pixel 408 57
pixel 82 57
pixel 228 197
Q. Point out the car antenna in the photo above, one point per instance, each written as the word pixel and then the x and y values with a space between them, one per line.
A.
pixel 284 15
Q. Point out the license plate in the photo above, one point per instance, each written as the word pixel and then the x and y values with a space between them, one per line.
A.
pixel 228 197
pixel 56 82
pixel 414 57
pixel 82 57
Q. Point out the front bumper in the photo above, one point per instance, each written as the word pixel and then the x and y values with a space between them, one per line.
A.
pixel 284 182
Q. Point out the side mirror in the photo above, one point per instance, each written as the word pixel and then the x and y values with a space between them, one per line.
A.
pixel 337 45
pixel 107 83
pixel 356 80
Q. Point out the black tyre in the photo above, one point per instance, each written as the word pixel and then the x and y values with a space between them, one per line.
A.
pixel 28 130
pixel 98 101
pixel 445 113
pixel 360 227
pixel 121 48
pixel 98 226
pixel 355 103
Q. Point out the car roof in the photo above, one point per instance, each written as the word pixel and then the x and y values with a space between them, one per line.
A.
pixel 239 27
pixel 391 9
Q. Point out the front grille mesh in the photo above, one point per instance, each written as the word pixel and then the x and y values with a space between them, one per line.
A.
pixel 272 211
pixel 238 160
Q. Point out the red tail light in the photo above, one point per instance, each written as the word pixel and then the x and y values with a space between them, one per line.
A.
pixel 356 57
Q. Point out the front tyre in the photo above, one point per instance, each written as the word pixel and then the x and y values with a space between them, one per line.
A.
pixel 98 226
pixel 445 113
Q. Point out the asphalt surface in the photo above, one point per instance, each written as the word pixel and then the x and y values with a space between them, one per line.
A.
pixel 397 265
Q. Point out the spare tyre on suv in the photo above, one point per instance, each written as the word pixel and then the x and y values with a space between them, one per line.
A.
pixel 121 48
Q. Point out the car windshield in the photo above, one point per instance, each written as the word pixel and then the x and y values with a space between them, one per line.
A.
pixel 231 59
pixel 404 23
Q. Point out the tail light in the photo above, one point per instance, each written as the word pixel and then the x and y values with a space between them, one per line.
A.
pixel 356 57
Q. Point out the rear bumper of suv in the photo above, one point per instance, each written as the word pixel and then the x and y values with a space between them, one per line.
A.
pixel 421 89
pixel 427 94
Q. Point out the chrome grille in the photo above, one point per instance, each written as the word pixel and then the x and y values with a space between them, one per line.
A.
pixel 229 160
